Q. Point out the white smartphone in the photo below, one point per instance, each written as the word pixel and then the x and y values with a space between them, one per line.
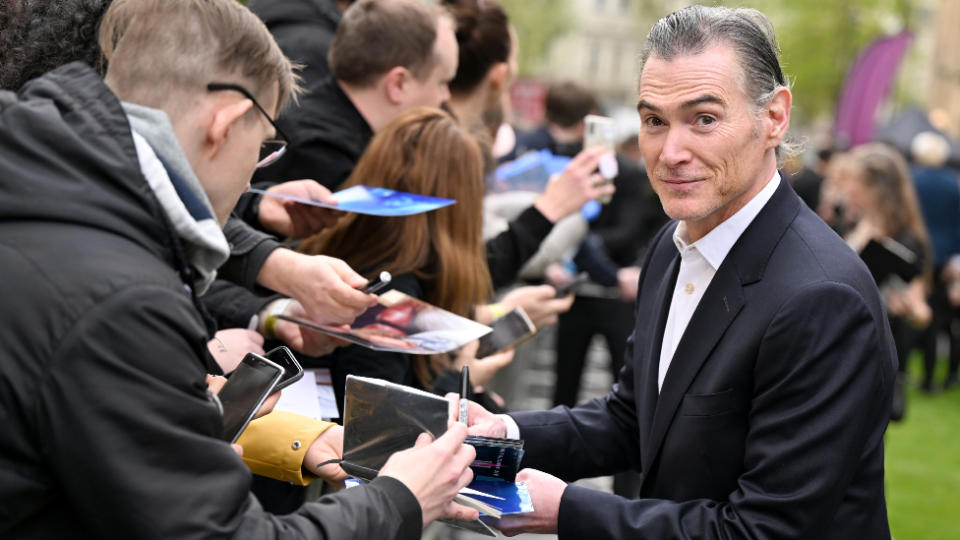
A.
pixel 245 391
pixel 600 131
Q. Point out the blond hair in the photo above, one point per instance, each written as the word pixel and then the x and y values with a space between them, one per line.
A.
pixel 160 51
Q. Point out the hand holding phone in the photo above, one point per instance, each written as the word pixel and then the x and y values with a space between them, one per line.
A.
pixel 510 330
pixel 565 289
pixel 245 391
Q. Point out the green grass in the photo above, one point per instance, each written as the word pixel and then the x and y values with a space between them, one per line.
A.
pixel 923 464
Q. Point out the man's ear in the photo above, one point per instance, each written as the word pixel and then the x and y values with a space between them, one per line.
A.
pixel 221 121
pixel 778 115
pixel 395 84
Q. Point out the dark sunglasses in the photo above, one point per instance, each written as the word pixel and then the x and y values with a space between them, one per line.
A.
pixel 270 150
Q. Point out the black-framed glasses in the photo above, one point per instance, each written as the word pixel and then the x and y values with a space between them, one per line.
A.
pixel 270 150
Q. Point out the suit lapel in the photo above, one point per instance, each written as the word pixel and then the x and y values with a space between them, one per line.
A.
pixel 720 304
pixel 647 383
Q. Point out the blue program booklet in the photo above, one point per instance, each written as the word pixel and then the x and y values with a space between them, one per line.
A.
pixel 372 200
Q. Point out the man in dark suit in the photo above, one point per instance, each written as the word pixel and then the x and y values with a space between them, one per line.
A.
pixel 757 381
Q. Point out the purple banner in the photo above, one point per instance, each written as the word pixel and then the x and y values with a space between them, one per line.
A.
pixel 867 84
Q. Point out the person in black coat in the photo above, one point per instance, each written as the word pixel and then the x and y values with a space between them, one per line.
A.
pixel 385 57
pixel 757 381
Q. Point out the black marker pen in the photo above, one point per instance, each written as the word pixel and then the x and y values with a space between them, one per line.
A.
pixel 464 392
pixel 377 283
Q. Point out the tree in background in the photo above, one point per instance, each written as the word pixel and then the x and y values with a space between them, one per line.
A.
pixel 820 39
pixel 538 23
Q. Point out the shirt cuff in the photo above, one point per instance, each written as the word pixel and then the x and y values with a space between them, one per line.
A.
pixel 513 430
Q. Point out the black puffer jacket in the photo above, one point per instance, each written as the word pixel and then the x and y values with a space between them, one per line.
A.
pixel 107 431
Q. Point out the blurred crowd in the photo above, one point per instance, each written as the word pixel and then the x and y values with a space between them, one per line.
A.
pixel 126 150
pixel 906 198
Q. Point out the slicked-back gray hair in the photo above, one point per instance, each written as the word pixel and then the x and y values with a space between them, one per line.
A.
pixel 691 30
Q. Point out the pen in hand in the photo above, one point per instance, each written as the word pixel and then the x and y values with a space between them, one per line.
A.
pixel 377 283
pixel 464 388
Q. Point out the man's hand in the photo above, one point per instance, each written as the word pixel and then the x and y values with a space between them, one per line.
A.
pixel 329 445
pixel 324 286
pixel 479 420
pixel 540 303
pixel 229 346
pixel 290 219
pixel 571 189
pixel 434 472
pixel 300 338
pixel 545 494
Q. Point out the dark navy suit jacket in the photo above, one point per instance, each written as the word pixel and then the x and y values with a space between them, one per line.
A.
pixel 770 421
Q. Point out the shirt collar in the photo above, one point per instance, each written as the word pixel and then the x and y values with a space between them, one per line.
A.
pixel 718 242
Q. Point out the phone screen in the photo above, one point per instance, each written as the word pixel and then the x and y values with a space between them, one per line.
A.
pixel 292 372
pixel 245 390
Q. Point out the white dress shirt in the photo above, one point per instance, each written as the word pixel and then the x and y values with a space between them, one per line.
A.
pixel 699 262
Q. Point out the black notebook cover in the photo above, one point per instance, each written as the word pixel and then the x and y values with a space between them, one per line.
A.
pixel 886 258
pixel 381 418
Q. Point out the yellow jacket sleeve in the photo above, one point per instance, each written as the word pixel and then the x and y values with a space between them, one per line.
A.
pixel 275 445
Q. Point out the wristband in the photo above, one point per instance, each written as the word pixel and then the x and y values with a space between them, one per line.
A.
pixel 496 311
pixel 270 320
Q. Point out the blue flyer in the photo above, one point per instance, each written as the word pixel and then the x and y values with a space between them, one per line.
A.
pixel 507 497
pixel 372 200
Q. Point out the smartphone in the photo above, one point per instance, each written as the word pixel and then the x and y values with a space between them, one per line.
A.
pixel 512 329
pixel 245 391
pixel 578 280
pixel 292 372
pixel 600 131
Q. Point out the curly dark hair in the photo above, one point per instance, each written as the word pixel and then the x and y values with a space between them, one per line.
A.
pixel 39 35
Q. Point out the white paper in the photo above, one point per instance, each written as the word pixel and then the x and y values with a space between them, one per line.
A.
pixel 311 396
